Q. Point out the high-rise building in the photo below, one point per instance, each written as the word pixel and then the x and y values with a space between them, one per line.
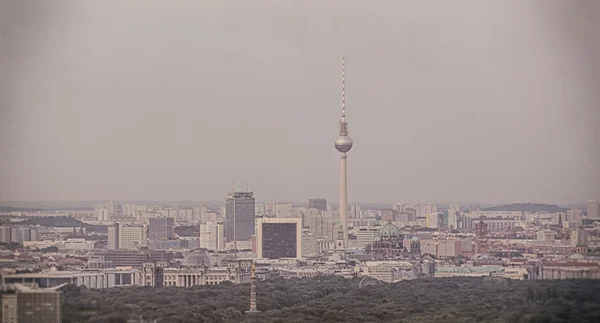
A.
pixel 343 144
pixel 239 220
pixel 161 229
pixel 309 243
pixel 17 234
pixel 592 209
pixel 278 238
pixel 355 212
pixel 122 236
pixel 318 203
pixel 211 236
pixel 31 305
pixel 103 214
pixel 453 216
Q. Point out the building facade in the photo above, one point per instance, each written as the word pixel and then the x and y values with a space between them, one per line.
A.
pixel 239 219
pixel 212 236
pixel 161 229
pixel 122 236
pixel 318 203
pixel 279 238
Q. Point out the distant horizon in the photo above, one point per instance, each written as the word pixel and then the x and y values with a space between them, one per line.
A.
pixel 91 203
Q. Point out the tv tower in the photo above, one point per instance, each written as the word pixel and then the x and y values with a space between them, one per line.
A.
pixel 343 144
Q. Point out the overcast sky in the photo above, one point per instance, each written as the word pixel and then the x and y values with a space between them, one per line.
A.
pixel 466 101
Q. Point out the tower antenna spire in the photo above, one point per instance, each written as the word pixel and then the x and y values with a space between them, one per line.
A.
pixel 343 88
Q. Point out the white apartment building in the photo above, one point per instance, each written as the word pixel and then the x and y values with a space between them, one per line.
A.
pixel 122 236
pixel 212 236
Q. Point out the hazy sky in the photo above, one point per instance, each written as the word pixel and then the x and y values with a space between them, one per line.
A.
pixel 483 101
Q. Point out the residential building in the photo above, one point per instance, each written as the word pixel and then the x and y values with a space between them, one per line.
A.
pixel 123 236
pixel 211 236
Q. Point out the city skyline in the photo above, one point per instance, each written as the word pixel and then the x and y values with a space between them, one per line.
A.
pixel 90 110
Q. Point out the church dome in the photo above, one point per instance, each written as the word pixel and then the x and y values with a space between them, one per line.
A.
pixel 197 258
pixel 389 231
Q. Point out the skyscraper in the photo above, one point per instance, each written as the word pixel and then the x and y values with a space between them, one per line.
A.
pixel 343 144
pixel 239 216
pixel 592 209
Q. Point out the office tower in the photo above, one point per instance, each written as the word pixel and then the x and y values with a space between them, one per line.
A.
pixel 592 209
pixel 211 236
pixel 239 220
pixel 343 144
pixel 31 305
pixel 309 243
pixel 278 238
pixel 161 229
pixel 122 236
pixel 318 203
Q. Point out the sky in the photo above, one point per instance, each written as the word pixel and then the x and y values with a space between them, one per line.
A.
pixel 447 101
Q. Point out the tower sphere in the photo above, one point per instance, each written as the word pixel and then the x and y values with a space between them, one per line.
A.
pixel 343 144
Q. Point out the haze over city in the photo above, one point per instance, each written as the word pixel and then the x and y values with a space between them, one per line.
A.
pixel 466 101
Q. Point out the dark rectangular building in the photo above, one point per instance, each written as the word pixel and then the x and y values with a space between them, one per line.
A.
pixel 161 229
pixel 239 216
pixel 279 238
pixel 319 204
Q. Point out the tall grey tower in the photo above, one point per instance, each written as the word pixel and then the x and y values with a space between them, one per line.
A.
pixel 239 216
pixel 343 144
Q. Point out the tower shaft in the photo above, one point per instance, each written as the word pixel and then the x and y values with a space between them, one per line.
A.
pixel 344 199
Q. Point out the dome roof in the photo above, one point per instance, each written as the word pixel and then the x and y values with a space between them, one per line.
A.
pixel 197 258
pixel 576 256
pixel 389 231
pixel 415 239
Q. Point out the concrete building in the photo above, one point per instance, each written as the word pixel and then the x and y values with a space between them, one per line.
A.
pixel 18 234
pixel 122 236
pixel 278 238
pixel 284 210
pixel 239 220
pixel 309 243
pixel 31 305
pixel 318 203
pixel 212 236
pixel 161 229
pixel 592 209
